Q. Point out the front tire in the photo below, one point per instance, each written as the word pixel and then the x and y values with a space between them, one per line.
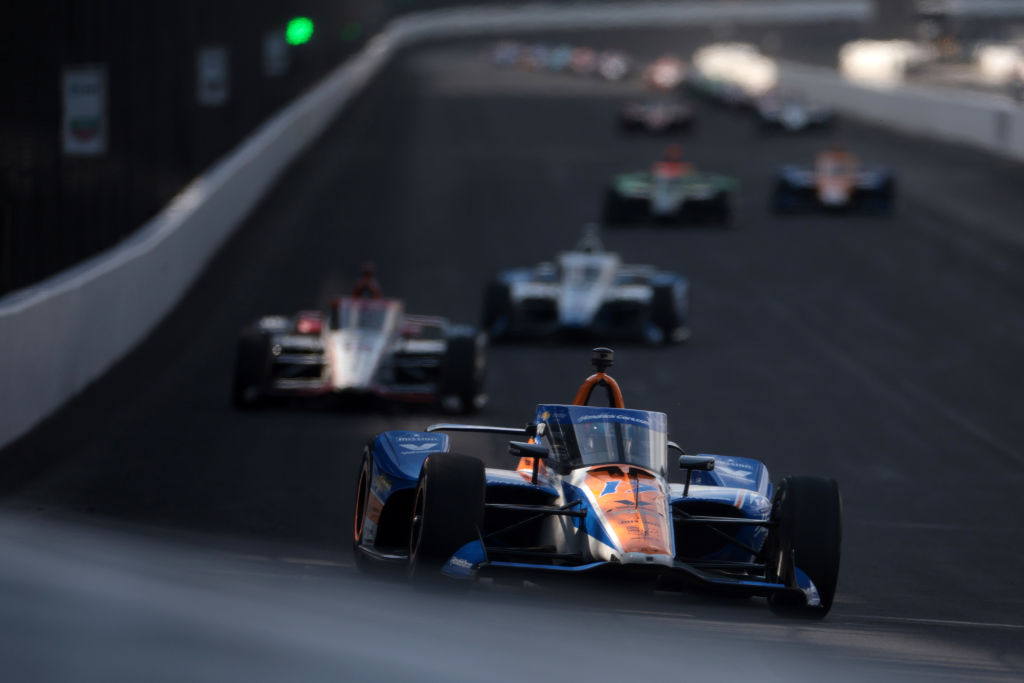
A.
pixel 251 366
pixel 808 536
pixel 619 210
pixel 670 313
pixel 787 199
pixel 881 201
pixel 362 503
pixel 720 210
pixel 447 512
pixel 497 308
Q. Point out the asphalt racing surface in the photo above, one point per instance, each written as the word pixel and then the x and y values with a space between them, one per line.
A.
pixel 152 532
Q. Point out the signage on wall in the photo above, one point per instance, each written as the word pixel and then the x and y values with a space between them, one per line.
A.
pixel 212 76
pixel 275 54
pixel 84 120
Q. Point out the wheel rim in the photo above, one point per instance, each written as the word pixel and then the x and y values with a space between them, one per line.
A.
pixel 416 526
pixel 479 362
pixel 362 493
pixel 778 548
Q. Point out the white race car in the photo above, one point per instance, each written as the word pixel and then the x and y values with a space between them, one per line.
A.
pixel 792 113
pixel 589 292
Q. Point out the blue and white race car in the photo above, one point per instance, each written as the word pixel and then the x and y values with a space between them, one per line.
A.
pixel 589 291
pixel 590 495
pixel 792 113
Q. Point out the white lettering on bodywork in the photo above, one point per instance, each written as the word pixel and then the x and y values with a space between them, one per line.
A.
pixel 419 446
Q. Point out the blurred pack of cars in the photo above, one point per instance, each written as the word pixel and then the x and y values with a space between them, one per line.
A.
pixel 607 64
pixel 367 345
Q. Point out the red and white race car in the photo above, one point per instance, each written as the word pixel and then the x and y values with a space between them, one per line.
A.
pixel 363 346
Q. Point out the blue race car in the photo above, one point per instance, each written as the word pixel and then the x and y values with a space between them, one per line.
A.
pixel 590 495
pixel 836 181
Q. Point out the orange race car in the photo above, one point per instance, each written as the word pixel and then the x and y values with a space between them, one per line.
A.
pixel 836 180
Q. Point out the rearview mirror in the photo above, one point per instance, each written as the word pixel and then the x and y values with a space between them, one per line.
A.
pixel 704 463
pixel 522 449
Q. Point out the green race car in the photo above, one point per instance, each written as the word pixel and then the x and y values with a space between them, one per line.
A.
pixel 671 191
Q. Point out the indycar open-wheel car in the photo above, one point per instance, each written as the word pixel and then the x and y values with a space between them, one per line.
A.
pixel 588 292
pixel 590 496
pixel 364 347
pixel 673 191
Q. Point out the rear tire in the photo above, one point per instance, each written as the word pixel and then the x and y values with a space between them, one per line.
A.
pixel 808 512
pixel 619 210
pixel 465 366
pixel 447 512
pixel 666 315
pixel 628 125
pixel 497 307
pixel 881 203
pixel 787 199
pixel 720 211
pixel 251 360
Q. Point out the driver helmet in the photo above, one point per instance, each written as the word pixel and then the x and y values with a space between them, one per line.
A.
pixel 590 243
pixel 593 437
pixel 673 153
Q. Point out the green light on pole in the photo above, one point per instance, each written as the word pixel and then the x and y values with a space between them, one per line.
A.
pixel 299 31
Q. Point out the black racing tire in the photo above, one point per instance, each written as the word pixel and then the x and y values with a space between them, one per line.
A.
pixel 885 197
pixel 786 199
pixel 808 513
pixel 720 210
pixel 252 363
pixel 684 125
pixel 618 210
pixel 829 124
pixel 875 202
pixel 629 125
pixel 363 483
pixel 447 512
pixel 664 312
pixel 715 211
pixel 782 201
pixel 611 210
pixel 497 305
pixel 465 367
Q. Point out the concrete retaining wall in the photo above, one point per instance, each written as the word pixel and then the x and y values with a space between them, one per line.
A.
pixel 989 122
